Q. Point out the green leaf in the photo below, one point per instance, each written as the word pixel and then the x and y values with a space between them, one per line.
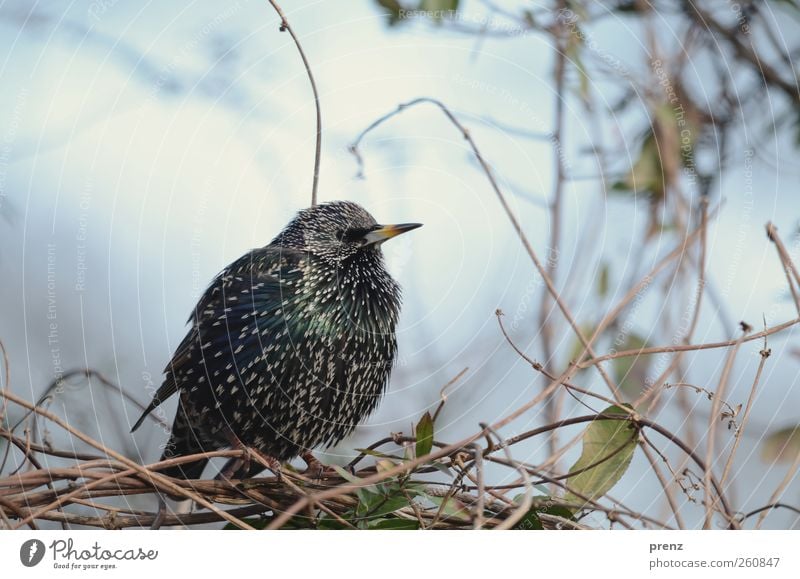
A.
pixel 363 496
pixel 368 502
pixel 297 522
pixel 451 508
pixel 530 18
pixel 393 9
pixel 609 446
pixel 542 506
pixel 440 466
pixel 326 523
pixel 627 7
pixel 577 345
pixel 556 511
pixel 578 9
pixel 602 281
pixel 647 175
pixel 414 489
pixel 387 506
pixel 782 445
pixel 541 488
pixel 394 524
pixel 630 372
pixel 375 453
pixel 437 9
pixel 345 474
pixel 255 522
pixel 573 52
pixel 424 433
pixel 530 522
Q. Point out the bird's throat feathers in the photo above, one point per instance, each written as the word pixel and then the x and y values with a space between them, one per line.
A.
pixel 358 294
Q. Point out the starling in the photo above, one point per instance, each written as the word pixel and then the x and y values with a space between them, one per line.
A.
pixel 290 347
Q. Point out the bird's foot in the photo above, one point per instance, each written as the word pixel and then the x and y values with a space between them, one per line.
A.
pixel 234 467
pixel 269 462
pixel 315 470
pixel 161 515
pixel 241 466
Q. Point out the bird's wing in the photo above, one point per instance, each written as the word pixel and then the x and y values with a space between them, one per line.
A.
pixel 252 283
pixel 166 390
pixel 253 309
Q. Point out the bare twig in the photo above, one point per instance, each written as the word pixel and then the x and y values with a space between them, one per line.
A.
pixel 690 347
pixel 527 499
pixel 665 484
pixel 716 404
pixel 479 504
pixel 655 390
pixel 786 261
pixel 746 52
pixel 737 437
pixel 769 507
pixel 785 481
pixel 443 393
pixel 6 380
pixel 285 26
pixel 160 480
pixel 545 324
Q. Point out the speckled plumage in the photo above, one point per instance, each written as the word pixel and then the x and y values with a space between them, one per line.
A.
pixel 291 346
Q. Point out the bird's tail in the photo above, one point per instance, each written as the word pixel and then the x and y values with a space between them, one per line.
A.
pixel 184 441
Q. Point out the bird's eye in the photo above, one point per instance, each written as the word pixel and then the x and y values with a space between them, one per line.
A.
pixel 340 234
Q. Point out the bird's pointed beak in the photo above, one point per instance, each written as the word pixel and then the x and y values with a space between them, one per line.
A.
pixel 384 232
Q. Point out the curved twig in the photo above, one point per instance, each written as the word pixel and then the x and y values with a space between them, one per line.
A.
pixel 285 26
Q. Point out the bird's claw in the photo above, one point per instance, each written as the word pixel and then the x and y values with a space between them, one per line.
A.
pixel 315 470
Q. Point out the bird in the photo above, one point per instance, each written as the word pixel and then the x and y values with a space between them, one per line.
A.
pixel 290 347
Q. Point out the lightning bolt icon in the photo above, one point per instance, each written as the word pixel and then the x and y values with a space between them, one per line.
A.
pixel 32 552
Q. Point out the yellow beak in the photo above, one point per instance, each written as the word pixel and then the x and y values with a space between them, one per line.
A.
pixel 385 232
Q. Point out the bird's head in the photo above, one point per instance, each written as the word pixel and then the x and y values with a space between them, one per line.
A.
pixel 338 230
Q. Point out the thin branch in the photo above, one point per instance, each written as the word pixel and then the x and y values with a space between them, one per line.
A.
pixel 769 507
pixel 655 390
pixel 768 74
pixel 737 437
pixel 646 446
pixel 688 348
pixel 713 420
pixel 479 504
pixel 527 499
pixel 545 324
pixel 158 479
pixel 443 393
pixel 776 495
pixel 786 262
pixel 286 27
